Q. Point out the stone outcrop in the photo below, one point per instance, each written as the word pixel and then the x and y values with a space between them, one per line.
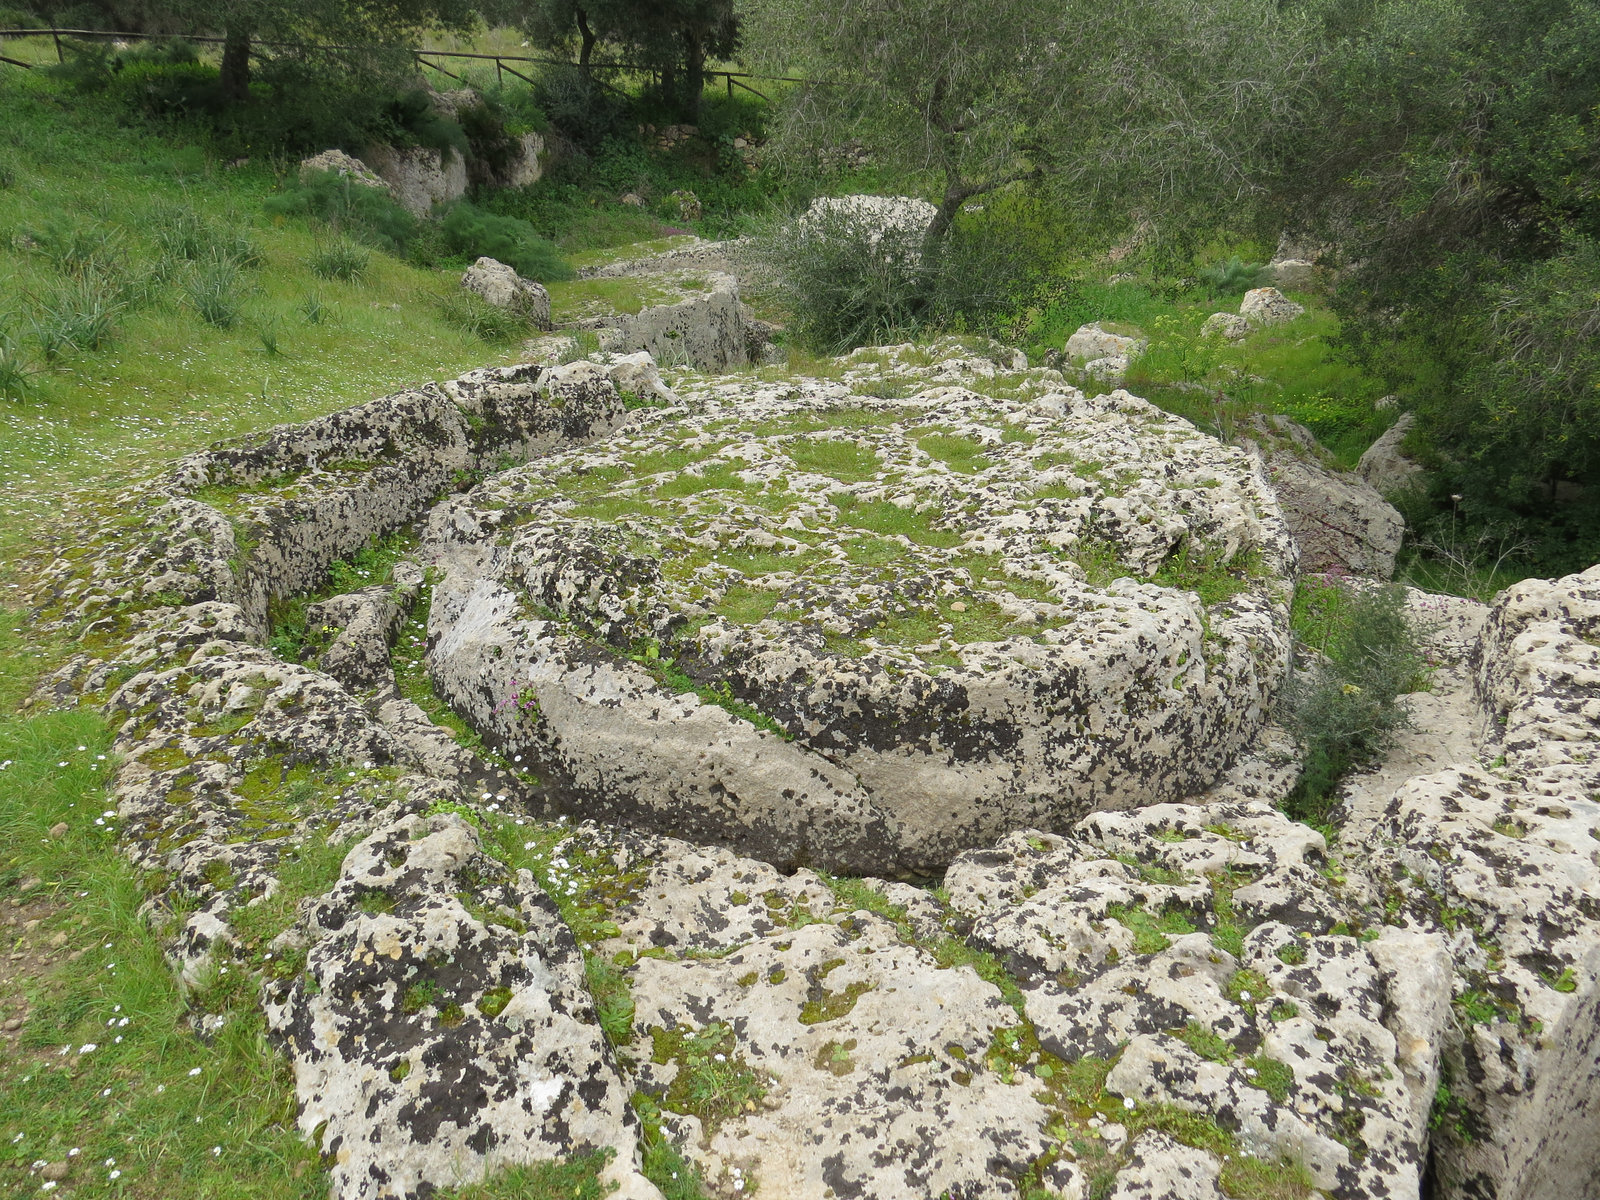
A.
pixel 1268 306
pixel 1231 326
pixel 343 165
pixel 1169 991
pixel 1104 354
pixel 762 622
pixel 419 177
pixel 502 287
pixel 710 332
pixel 889 225
pixel 1296 274
pixel 1494 856
pixel 1384 466
pixel 1340 521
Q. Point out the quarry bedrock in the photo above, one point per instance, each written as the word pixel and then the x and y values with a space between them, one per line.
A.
pixel 866 635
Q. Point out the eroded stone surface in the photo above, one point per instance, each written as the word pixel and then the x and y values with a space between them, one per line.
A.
pixel 1268 306
pixel 944 605
pixel 502 287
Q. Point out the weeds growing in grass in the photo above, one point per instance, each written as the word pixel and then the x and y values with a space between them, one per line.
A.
pixel 1358 652
pixel 341 259
pixel 184 234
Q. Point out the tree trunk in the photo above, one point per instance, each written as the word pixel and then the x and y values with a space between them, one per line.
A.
pixel 955 195
pixel 586 50
pixel 694 78
pixel 236 66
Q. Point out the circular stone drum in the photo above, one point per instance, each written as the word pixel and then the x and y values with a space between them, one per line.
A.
pixel 865 635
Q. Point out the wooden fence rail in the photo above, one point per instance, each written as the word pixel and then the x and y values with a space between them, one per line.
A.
pixel 734 78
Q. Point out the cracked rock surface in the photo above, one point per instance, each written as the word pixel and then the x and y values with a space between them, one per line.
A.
pixel 867 634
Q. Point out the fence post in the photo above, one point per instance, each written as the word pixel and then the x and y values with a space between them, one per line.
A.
pixel 60 57
pixel 499 75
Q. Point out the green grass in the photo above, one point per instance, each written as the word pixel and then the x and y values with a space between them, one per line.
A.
pixel 150 1096
pixel 165 381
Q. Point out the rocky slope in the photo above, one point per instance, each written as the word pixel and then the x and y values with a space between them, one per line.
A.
pixel 1182 994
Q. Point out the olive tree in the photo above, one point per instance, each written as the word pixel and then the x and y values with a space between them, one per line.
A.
pixel 1119 110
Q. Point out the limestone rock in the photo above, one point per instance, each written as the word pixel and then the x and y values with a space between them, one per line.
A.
pixel 342 164
pixel 1497 861
pixel 1340 522
pixel 1268 306
pixel 1200 951
pixel 865 757
pixel 707 331
pixel 889 226
pixel 419 177
pixel 1384 466
pixel 637 374
pixel 442 1025
pixel 1296 274
pixel 1231 326
pixel 525 167
pixel 502 287
pixel 1092 342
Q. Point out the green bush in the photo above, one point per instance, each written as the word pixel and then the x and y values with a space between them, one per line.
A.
pixel 1357 652
pixel 470 232
pixel 1231 277
pixel 367 213
pixel 341 259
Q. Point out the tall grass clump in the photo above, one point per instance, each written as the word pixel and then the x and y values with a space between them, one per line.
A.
pixel 366 213
pixel 182 233
pixel 76 313
pixel 15 373
pixel 1357 652
pixel 476 316
pixel 216 290
pixel 341 259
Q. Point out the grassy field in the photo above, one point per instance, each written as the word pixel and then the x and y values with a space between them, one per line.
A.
pixel 99 222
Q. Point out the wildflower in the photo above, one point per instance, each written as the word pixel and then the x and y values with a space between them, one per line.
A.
pixel 194 1071
pixel 1127 1102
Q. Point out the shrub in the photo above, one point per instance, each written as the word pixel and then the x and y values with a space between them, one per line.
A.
pixel 341 259
pixel 216 291
pixel 476 316
pixel 846 281
pixel 1231 277
pixel 367 213
pixel 79 313
pixel 1364 653
pixel 470 232
pixel 78 248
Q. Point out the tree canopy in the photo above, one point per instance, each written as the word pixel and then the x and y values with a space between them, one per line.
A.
pixel 1120 110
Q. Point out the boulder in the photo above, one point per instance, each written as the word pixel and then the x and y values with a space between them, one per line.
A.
pixel 708 331
pixel 1092 342
pixel 834 670
pixel 419 177
pixel 1226 325
pixel 502 287
pixel 891 226
pixel 1268 306
pixel 525 166
pixel 1384 466
pixel 637 374
pixel 1296 274
pixel 1340 521
pixel 342 164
